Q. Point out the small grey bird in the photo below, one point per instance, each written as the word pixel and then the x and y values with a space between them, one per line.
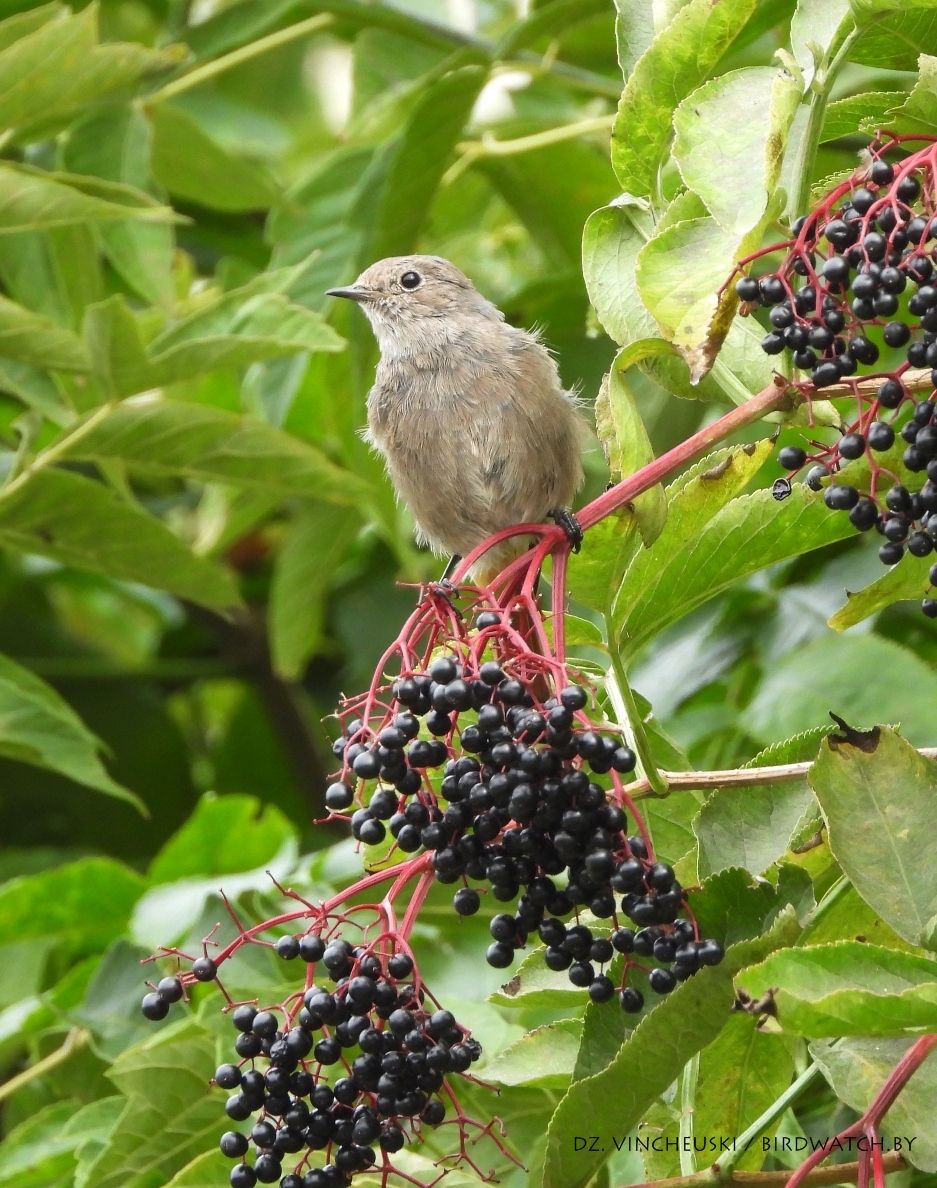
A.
pixel 468 411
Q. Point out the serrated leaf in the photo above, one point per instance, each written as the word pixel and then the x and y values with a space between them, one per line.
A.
pixel 212 445
pixel 171 1114
pixel 115 144
pixel 31 200
pixel 894 32
pixel 38 727
pixel 847 989
pixel 77 521
pixel 677 61
pixel 39 1152
pixel 741 1073
pixel 392 211
pixel 877 800
pixel 52 919
pixel 593 572
pixel 752 827
pixel 28 337
pixel 190 164
pixel 730 139
pixel 534 985
pixel 59 66
pixel 732 906
pixel 625 440
pixel 908 579
pixel 849 917
pixel 846 117
pixel 615 1099
pixel 821 23
pixel 318 538
pixel 543 1058
pixel 858 1068
pixel 694 500
pixel 681 276
pixel 224 835
pixel 839 666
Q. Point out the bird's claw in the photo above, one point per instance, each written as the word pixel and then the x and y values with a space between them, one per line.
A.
pixel 445 590
pixel 567 521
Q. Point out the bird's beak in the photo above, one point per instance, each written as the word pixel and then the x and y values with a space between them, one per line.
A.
pixel 353 293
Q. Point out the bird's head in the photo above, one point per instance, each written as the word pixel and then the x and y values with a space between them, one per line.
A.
pixel 406 296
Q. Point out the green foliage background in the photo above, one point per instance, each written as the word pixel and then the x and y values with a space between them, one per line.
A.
pixel 198 553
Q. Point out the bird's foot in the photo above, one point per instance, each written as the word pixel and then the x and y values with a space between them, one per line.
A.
pixel 445 590
pixel 567 521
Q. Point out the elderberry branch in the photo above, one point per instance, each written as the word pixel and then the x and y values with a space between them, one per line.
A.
pixel 736 777
pixel 838 1173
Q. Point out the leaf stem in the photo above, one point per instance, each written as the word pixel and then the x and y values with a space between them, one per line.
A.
pixel 837 1173
pixel 253 49
pixel 725 1165
pixel 688 1083
pixel 734 777
pixel 629 716
pixel 807 150
pixel 76 1038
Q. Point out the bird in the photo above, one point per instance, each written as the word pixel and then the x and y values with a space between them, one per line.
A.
pixel 469 413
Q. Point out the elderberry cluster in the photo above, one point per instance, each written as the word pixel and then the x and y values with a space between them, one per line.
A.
pixel 520 810
pixel 372 1025
pixel 876 244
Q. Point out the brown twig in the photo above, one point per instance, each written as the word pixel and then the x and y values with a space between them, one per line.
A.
pixel 836 1173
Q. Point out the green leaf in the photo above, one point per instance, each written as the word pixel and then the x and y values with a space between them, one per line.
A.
pixel 224 835
pixel 238 330
pixel 877 794
pixel 849 917
pixel 823 22
pixel 115 144
pixel 752 827
pixel 626 443
pixel 59 66
pixel 741 1073
pixel 31 200
pixel 40 1153
pixel 634 32
pixel 847 989
pixel 534 985
pixel 545 1057
pixel 207 1170
pixel 162 437
pixel 894 32
pixel 593 572
pixel 681 276
pixel 908 579
pixel 52 919
pixel 709 543
pixel 858 1068
pixel 731 135
pixel 732 906
pixel 114 345
pixel 615 1099
pixel 846 117
pixel 36 389
pixel 611 240
pixel 191 165
pixel 38 727
pixel 80 522
pixel 394 210
pixel 681 56
pixel 28 337
pixel 111 1005
pixel 319 537
pixel 171 1114
pixel 839 666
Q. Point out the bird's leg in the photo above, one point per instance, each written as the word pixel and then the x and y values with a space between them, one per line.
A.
pixel 444 588
pixel 450 569
pixel 567 521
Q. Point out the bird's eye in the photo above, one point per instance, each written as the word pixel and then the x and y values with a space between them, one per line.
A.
pixel 410 280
